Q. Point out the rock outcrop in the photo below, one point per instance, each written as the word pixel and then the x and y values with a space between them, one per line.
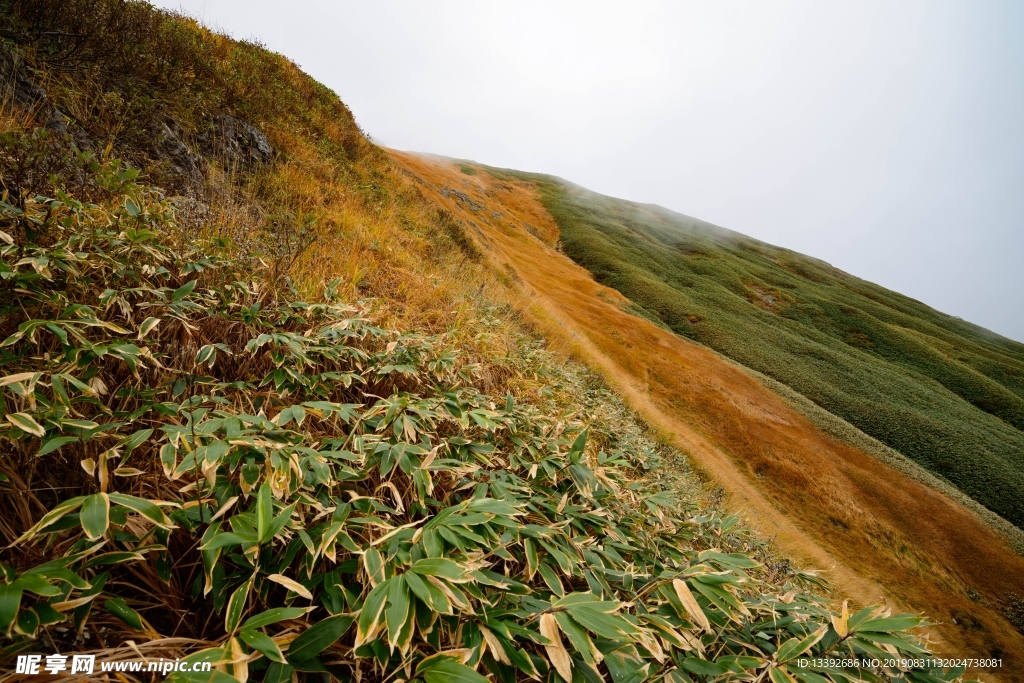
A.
pixel 237 142
pixel 185 168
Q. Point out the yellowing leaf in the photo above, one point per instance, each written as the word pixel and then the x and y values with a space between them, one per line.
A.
pixel 20 377
pixel 555 649
pixel 72 604
pixel 841 623
pixel 228 504
pixel 291 585
pixel 494 645
pixel 690 603
pixel 26 423
pixel 128 472
pixel 147 326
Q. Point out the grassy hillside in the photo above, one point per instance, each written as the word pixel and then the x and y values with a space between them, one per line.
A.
pixel 264 407
pixel 943 392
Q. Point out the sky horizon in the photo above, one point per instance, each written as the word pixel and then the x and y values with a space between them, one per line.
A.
pixel 883 138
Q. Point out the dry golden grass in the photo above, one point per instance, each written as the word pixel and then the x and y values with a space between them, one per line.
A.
pixel 877 533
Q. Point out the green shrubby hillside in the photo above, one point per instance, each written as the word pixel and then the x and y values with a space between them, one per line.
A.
pixel 941 391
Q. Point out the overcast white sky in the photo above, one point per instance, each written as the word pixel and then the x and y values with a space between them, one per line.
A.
pixel 886 138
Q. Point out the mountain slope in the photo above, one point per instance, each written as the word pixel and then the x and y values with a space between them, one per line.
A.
pixel 939 390
pixel 265 408
pixel 826 503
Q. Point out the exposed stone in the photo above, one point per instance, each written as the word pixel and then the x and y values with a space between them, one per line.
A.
pixel 237 142
pixel 461 197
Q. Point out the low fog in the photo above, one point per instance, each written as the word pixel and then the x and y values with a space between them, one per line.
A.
pixel 884 138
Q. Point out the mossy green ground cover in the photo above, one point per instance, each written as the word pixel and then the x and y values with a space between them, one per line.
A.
pixel 944 392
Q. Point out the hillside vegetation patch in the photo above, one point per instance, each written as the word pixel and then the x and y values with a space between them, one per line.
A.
pixel 943 392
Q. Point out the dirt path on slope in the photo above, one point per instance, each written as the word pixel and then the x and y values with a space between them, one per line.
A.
pixel 878 535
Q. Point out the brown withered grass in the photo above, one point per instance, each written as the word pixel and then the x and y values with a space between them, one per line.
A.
pixel 877 534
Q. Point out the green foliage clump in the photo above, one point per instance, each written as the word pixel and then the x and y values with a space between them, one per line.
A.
pixel 943 392
pixel 283 488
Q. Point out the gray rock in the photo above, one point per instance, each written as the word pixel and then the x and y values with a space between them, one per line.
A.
pixel 238 142
pixel 461 197
pixel 185 167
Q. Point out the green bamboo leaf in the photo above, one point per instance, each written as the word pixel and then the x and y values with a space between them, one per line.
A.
pixel 811 677
pixel 55 443
pixel 318 638
pixel 578 446
pixel 95 517
pixel 10 601
pixel 398 608
pixel 780 675
pixel 135 440
pixel 889 624
pixel 551 579
pixel 703 667
pixel 280 521
pixel 27 623
pixel 236 605
pixel 272 616
pixel 373 562
pixel 432 596
pixel 373 608
pixel 207 354
pixel 147 509
pixel 35 583
pixel 577 637
pixel 493 506
pixel 794 647
pixel 532 561
pixel 225 539
pixel 168 459
pixel 737 560
pixel 120 609
pixel 602 622
pixel 106 559
pixel 264 512
pixel 278 673
pixel 264 644
pixel 447 670
pixel 439 566
pixel 183 291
